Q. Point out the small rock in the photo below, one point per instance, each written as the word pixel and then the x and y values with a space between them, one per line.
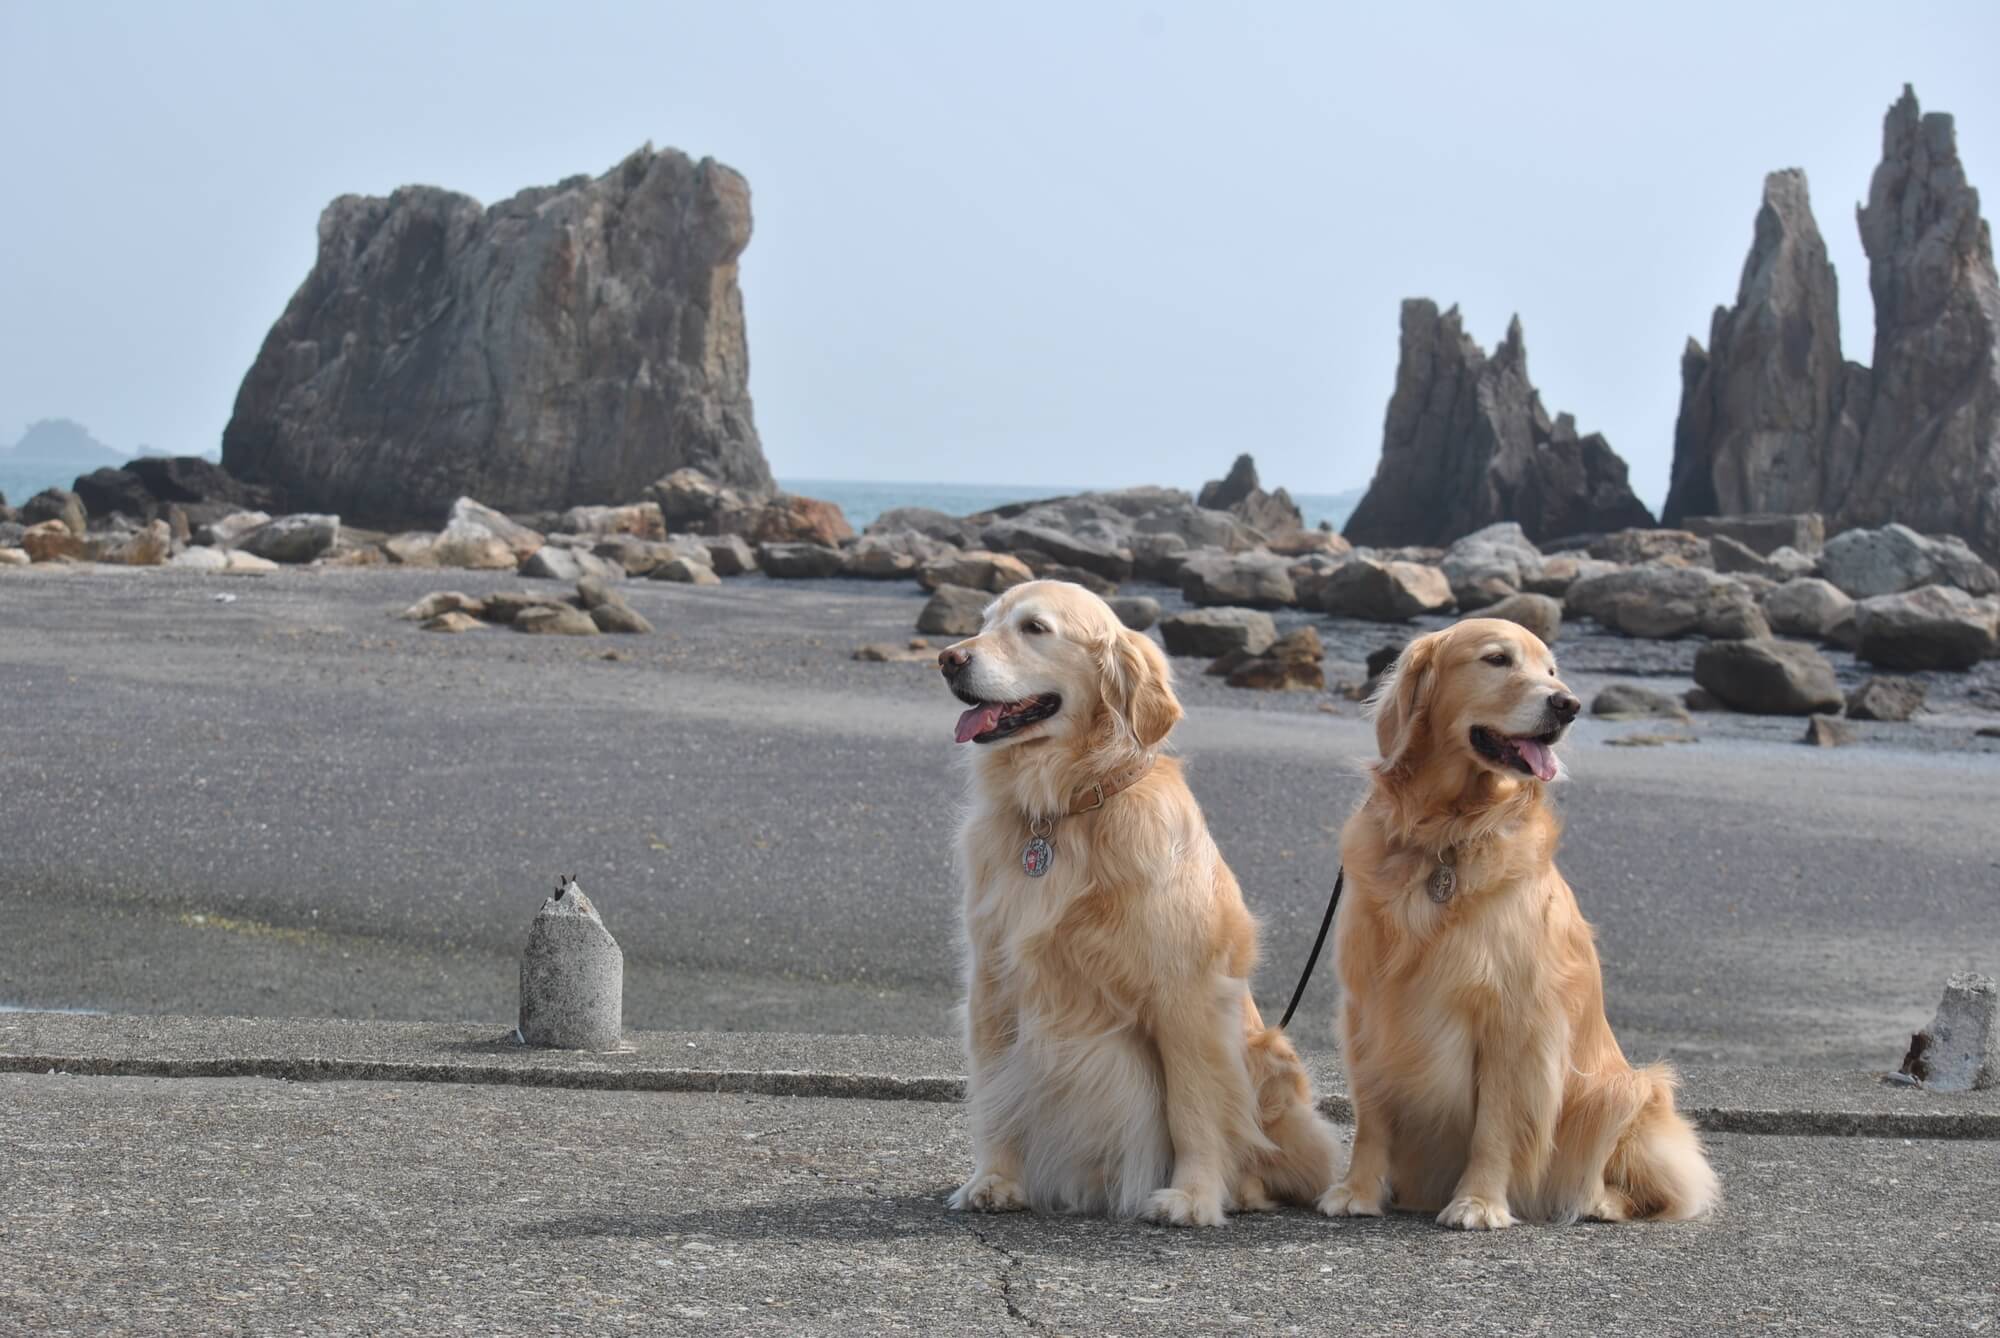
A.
pixel 620 618
pixel 1885 698
pixel 1211 632
pixel 1292 663
pixel 14 557
pixel 149 547
pixel 954 611
pixel 1540 614
pixel 685 571
pixel 551 562
pixel 1701 699
pixel 1987 732
pixel 508 605
pixel 572 976
pixel 1960 1050
pixel 52 541
pixel 452 621
pixel 1047 570
pixel 882 652
pixel 790 561
pixel 1628 701
pixel 1648 740
pixel 1768 677
pixel 239 563
pixel 975 570
pixel 442 602
pixel 559 620
pixel 1137 612
pixel 1826 731
pixel 642 520
pixel 593 592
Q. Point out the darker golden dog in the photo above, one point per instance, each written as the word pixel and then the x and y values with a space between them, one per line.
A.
pixel 1487 1084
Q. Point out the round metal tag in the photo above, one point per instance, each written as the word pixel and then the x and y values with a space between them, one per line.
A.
pixel 1036 856
pixel 1443 882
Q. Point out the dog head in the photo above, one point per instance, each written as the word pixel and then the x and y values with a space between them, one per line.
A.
pixel 1053 665
pixel 1479 697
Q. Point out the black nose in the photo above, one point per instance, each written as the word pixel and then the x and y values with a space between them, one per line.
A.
pixel 952 661
pixel 1564 706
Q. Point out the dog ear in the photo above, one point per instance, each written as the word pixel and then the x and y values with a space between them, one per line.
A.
pixel 1139 686
pixel 1401 706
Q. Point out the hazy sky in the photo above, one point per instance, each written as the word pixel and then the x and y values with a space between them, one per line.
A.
pixel 1093 243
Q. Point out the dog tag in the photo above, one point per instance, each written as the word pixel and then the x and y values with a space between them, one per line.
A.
pixel 1036 856
pixel 1444 879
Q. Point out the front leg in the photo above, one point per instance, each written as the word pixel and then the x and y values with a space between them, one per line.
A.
pixel 1513 1134
pixel 990 1028
pixel 1208 1103
pixel 1365 1189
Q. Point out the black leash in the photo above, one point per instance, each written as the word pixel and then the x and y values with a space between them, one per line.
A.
pixel 1318 943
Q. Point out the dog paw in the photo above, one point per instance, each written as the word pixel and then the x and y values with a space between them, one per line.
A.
pixel 989 1193
pixel 1251 1197
pixel 1469 1212
pixel 1350 1201
pixel 1184 1207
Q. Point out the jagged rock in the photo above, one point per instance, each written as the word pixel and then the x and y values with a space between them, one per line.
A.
pixel 1765 532
pixel 567 346
pixel 1933 627
pixel 1960 1050
pixel 798 561
pixel 292 539
pixel 1540 614
pixel 1239 493
pixel 1627 701
pixel 1466 442
pixel 1885 697
pixel 1670 548
pixel 1768 677
pixel 55 504
pixel 1137 612
pixel 554 562
pixel 1390 592
pixel 641 520
pixel 1664 602
pixel 1895 558
pixel 1225 492
pixel 954 610
pixel 554 620
pixel 1807 607
pixel 1212 632
pixel 976 569
pixel 1245 580
pixel 1827 731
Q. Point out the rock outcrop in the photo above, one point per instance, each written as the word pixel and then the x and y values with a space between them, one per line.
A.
pixel 1466 442
pixel 568 346
pixel 1772 417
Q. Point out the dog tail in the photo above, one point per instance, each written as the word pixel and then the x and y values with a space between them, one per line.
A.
pixel 1658 1164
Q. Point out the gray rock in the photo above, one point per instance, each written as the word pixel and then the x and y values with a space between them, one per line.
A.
pixel 594 592
pixel 888 555
pixel 227 531
pixel 1960 1050
pixel 619 618
pixel 1489 564
pixel 1384 591
pixel 1628 701
pixel 553 620
pixel 567 346
pixel 572 976
pixel 1658 602
pixel 1895 558
pixel 924 520
pixel 441 602
pixel 1885 697
pixel 1764 532
pixel 1934 627
pixel 1158 557
pixel 954 610
pixel 1102 559
pixel 641 520
pixel 1768 677
pixel 1658 547
pixel 1807 607
pixel 1269 513
pixel 56 504
pixel 1245 580
pixel 1559 571
pixel 798 561
pixel 507 605
pixel 1137 612
pixel 1212 632
pixel 1828 731
pixel 729 555
pixel 1538 613
pixel 452 620
pixel 685 571
pixel 292 539
pixel 1466 442
pixel 976 569
pixel 555 562
pixel 113 491
pixel 1223 493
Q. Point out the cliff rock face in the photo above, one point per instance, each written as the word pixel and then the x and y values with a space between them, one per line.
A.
pixel 1772 418
pixel 568 346
pixel 1467 443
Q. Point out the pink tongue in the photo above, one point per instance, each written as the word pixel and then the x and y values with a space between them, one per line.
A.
pixel 978 720
pixel 1535 753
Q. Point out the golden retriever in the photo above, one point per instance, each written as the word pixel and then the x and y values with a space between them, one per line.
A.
pixel 1117 1063
pixel 1487 1084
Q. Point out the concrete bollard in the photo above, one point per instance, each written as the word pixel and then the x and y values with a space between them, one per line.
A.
pixel 1960 1049
pixel 572 976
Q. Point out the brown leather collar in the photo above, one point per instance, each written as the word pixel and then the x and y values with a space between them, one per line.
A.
pixel 1092 796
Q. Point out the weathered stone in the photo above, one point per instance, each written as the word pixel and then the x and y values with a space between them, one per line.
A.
pixel 227 531
pixel 55 504
pixel 1271 514
pixel 1466 442
pixel 1490 564
pixel 1667 548
pixel 1538 613
pixel 976 569
pixel 1292 663
pixel 199 484
pixel 692 502
pixel 148 547
pixel 1896 558
pixel 594 592
pixel 1137 612
pixel 112 491
pixel 1384 591
pixel 452 621
pixel 1764 532
pixel 1628 701
pixel 1828 731
pixel 888 555
pixel 442 602
pixel 1768 677
pixel 572 976
pixel 641 520
pixel 685 571
pixel 729 555
pixel 1158 557
pixel 1245 580
pixel 567 346
pixel 934 524
pixel 1211 632
pixel 1047 568
pixel 954 610
pixel 1225 492
pixel 788 518
pixel 619 618
pixel 554 620
pixel 1934 627
pixel 798 561
pixel 52 541
pixel 1960 1050
pixel 1807 607
pixel 508 605
pixel 1559 571
pixel 1665 602
pixel 292 539
pixel 1102 559
pixel 553 562
pixel 1701 699
pixel 14 557
pixel 1885 697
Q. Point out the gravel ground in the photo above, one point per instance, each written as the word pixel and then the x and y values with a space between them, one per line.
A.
pixel 293 804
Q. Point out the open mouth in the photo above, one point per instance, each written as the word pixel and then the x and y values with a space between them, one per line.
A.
pixel 987 722
pixel 1528 754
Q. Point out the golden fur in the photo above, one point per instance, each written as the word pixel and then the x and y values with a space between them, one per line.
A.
pixel 1117 1062
pixel 1487 1084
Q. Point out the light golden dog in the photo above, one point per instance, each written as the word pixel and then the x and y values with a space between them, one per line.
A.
pixel 1118 1064
pixel 1487 1084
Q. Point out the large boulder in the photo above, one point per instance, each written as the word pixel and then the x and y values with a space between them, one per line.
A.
pixel 798 561
pixel 1894 558
pixel 1490 564
pixel 1807 607
pixel 52 541
pixel 1768 677
pixel 1212 632
pixel 1665 602
pixel 728 554
pixel 953 610
pixel 1466 442
pixel 927 521
pixel 1934 627
pixel 1070 549
pixel 112 491
pixel 56 504
pixel 789 518
pixel 292 539
pixel 976 569
pixel 1384 591
pixel 1245 580
pixel 567 346
pixel 1540 614
pixel 889 556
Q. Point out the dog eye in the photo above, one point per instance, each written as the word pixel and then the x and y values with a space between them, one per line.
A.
pixel 1034 627
pixel 1498 659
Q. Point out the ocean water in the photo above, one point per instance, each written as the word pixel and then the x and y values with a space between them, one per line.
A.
pixel 20 482
pixel 863 501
